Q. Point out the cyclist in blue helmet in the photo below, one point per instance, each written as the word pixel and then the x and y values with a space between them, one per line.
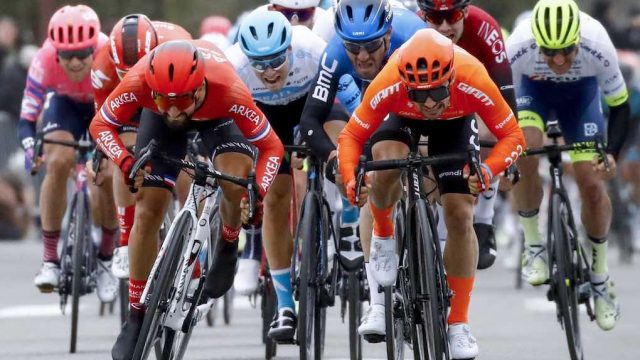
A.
pixel 367 33
pixel 277 62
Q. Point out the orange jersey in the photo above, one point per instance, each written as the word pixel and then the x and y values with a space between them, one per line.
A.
pixel 104 77
pixel 472 91
pixel 226 97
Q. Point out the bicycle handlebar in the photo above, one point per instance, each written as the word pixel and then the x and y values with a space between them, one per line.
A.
pixel 38 148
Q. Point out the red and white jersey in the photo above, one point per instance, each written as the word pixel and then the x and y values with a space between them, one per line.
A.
pixel 226 97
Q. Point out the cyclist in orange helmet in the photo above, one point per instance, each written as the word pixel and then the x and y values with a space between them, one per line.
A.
pixel 432 87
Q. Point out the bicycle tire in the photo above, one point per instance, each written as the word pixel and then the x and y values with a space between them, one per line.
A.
pixel 227 306
pixel 308 288
pixel 80 223
pixel 268 307
pixel 566 281
pixel 355 314
pixel 394 321
pixel 161 283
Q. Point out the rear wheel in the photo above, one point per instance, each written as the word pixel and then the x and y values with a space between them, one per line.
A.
pixel 308 279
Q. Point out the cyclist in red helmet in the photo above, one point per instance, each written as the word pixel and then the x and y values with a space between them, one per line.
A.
pixel 61 67
pixel 476 31
pixel 183 85
pixel 131 38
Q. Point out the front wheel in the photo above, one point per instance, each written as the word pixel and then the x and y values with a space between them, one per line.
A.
pixel 82 238
pixel 309 280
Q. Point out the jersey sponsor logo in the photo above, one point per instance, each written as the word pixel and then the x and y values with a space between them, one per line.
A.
pixel 98 78
pixel 122 99
pixel 384 93
pixel 360 122
pixel 107 141
pixel 505 121
pixel 595 53
pixel 271 170
pixel 247 112
pixel 209 54
pixel 468 89
pixel 524 100
pixel 492 38
pixel 321 90
pixel 454 173
pixel 590 129
pixel 473 139
pixel 509 160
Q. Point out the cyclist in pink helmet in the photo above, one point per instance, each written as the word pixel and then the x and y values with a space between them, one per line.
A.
pixel 61 67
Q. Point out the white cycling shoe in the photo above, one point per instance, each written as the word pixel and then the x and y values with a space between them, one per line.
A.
pixel 462 345
pixel 607 308
pixel 383 260
pixel 47 277
pixel 535 266
pixel 373 321
pixel 246 280
pixel 120 262
pixel 106 283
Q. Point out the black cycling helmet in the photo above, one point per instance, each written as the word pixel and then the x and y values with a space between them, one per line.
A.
pixel 441 5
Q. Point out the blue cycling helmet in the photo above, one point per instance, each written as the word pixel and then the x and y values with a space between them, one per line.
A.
pixel 263 33
pixel 362 20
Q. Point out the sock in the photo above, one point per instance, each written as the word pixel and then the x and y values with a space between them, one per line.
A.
pixel 377 298
pixel 50 240
pixel 253 246
pixel 136 287
pixel 485 207
pixel 282 284
pixel 350 213
pixel 529 222
pixel 107 244
pixel 599 264
pixel 461 289
pixel 125 218
pixel 382 223
pixel 229 233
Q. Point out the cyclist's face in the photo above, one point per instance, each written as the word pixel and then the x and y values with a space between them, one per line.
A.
pixel 368 65
pixel 274 80
pixel 431 109
pixel 561 63
pixel 76 69
pixel 178 118
pixel 448 23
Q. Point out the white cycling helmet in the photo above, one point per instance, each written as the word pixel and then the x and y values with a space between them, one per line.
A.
pixel 296 4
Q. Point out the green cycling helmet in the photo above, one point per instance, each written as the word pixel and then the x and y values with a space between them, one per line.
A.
pixel 556 23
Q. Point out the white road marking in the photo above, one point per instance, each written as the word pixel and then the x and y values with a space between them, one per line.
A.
pixel 26 311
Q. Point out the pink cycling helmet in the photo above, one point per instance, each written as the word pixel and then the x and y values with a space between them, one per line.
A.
pixel 215 24
pixel 74 28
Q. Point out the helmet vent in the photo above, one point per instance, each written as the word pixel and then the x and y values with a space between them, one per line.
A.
pixel 130 42
pixel 194 65
pixel 422 69
pixel 367 12
pixel 283 38
pixel 350 13
pixel 254 33
pixel 270 29
pixel 70 34
pixel 446 69
pixel 171 72
pixel 570 17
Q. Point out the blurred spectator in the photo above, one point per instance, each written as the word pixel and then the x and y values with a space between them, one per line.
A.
pixel 603 11
pixel 215 29
pixel 633 31
pixel 14 209
pixel 13 79
pixel 8 38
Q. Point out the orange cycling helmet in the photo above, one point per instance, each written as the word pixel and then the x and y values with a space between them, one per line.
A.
pixel 175 68
pixel 74 28
pixel 425 61
pixel 131 39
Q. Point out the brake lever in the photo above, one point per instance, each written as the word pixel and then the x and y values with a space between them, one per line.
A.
pixel 476 169
pixel 512 174
pixel 360 172
pixel 97 159
pixel 147 152
pixel 601 151
pixel 251 192
pixel 37 152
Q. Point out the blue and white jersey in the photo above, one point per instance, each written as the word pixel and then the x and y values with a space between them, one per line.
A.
pixel 596 59
pixel 306 49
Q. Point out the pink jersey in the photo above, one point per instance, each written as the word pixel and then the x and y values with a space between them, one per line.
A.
pixel 46 75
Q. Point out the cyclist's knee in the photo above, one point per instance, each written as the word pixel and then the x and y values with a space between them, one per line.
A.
pixel 592 191
pixel 458 211
pixel 235 164
pixel 60 162
pixel 278 198
pixel 151 205
pixel 386 150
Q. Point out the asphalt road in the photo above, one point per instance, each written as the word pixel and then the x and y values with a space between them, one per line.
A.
pixel 508 323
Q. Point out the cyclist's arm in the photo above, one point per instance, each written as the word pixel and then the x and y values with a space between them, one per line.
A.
pixel 318 105
pixel 619 128
pixel 33 100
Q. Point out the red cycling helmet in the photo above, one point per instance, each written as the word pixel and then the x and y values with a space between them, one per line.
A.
pixel 74 28
pixel 215 24
pixel 175 68
pixel 131 39
pixel 425 61
pixel 441 5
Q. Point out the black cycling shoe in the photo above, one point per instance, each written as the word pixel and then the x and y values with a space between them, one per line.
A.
pixel 486 245
pixel 223 270
pixel 283 327
pixel 126 343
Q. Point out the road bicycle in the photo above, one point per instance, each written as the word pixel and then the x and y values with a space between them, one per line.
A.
pixel 173 299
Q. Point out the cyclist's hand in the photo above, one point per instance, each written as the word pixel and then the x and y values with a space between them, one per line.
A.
pixel 599 168
pixel 351 192
pixel 91 175
pixel 126 166
pixel 297 162
pixel 475 186
pixel 244 211
pixel 31 164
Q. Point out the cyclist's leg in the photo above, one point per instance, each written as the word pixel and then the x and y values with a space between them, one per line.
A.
pixel 461 252
pixel 580 124
pixel 58 124
pixel 232 155
pixel 532 112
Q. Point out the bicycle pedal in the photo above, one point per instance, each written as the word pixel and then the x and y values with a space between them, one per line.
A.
pixel 374 338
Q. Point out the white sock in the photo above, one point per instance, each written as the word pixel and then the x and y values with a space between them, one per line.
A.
pixel 377 298
pixel 442 227
pixel 530 228
pixel 484 209
pixel 598 257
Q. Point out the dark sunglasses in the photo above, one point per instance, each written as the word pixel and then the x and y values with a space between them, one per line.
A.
pixel 553 52
pixel 437 17
pixel 181 102
pixel 302 14
pixel 274 62
pixel 369 46
pixel 436 94
pixel 80 54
